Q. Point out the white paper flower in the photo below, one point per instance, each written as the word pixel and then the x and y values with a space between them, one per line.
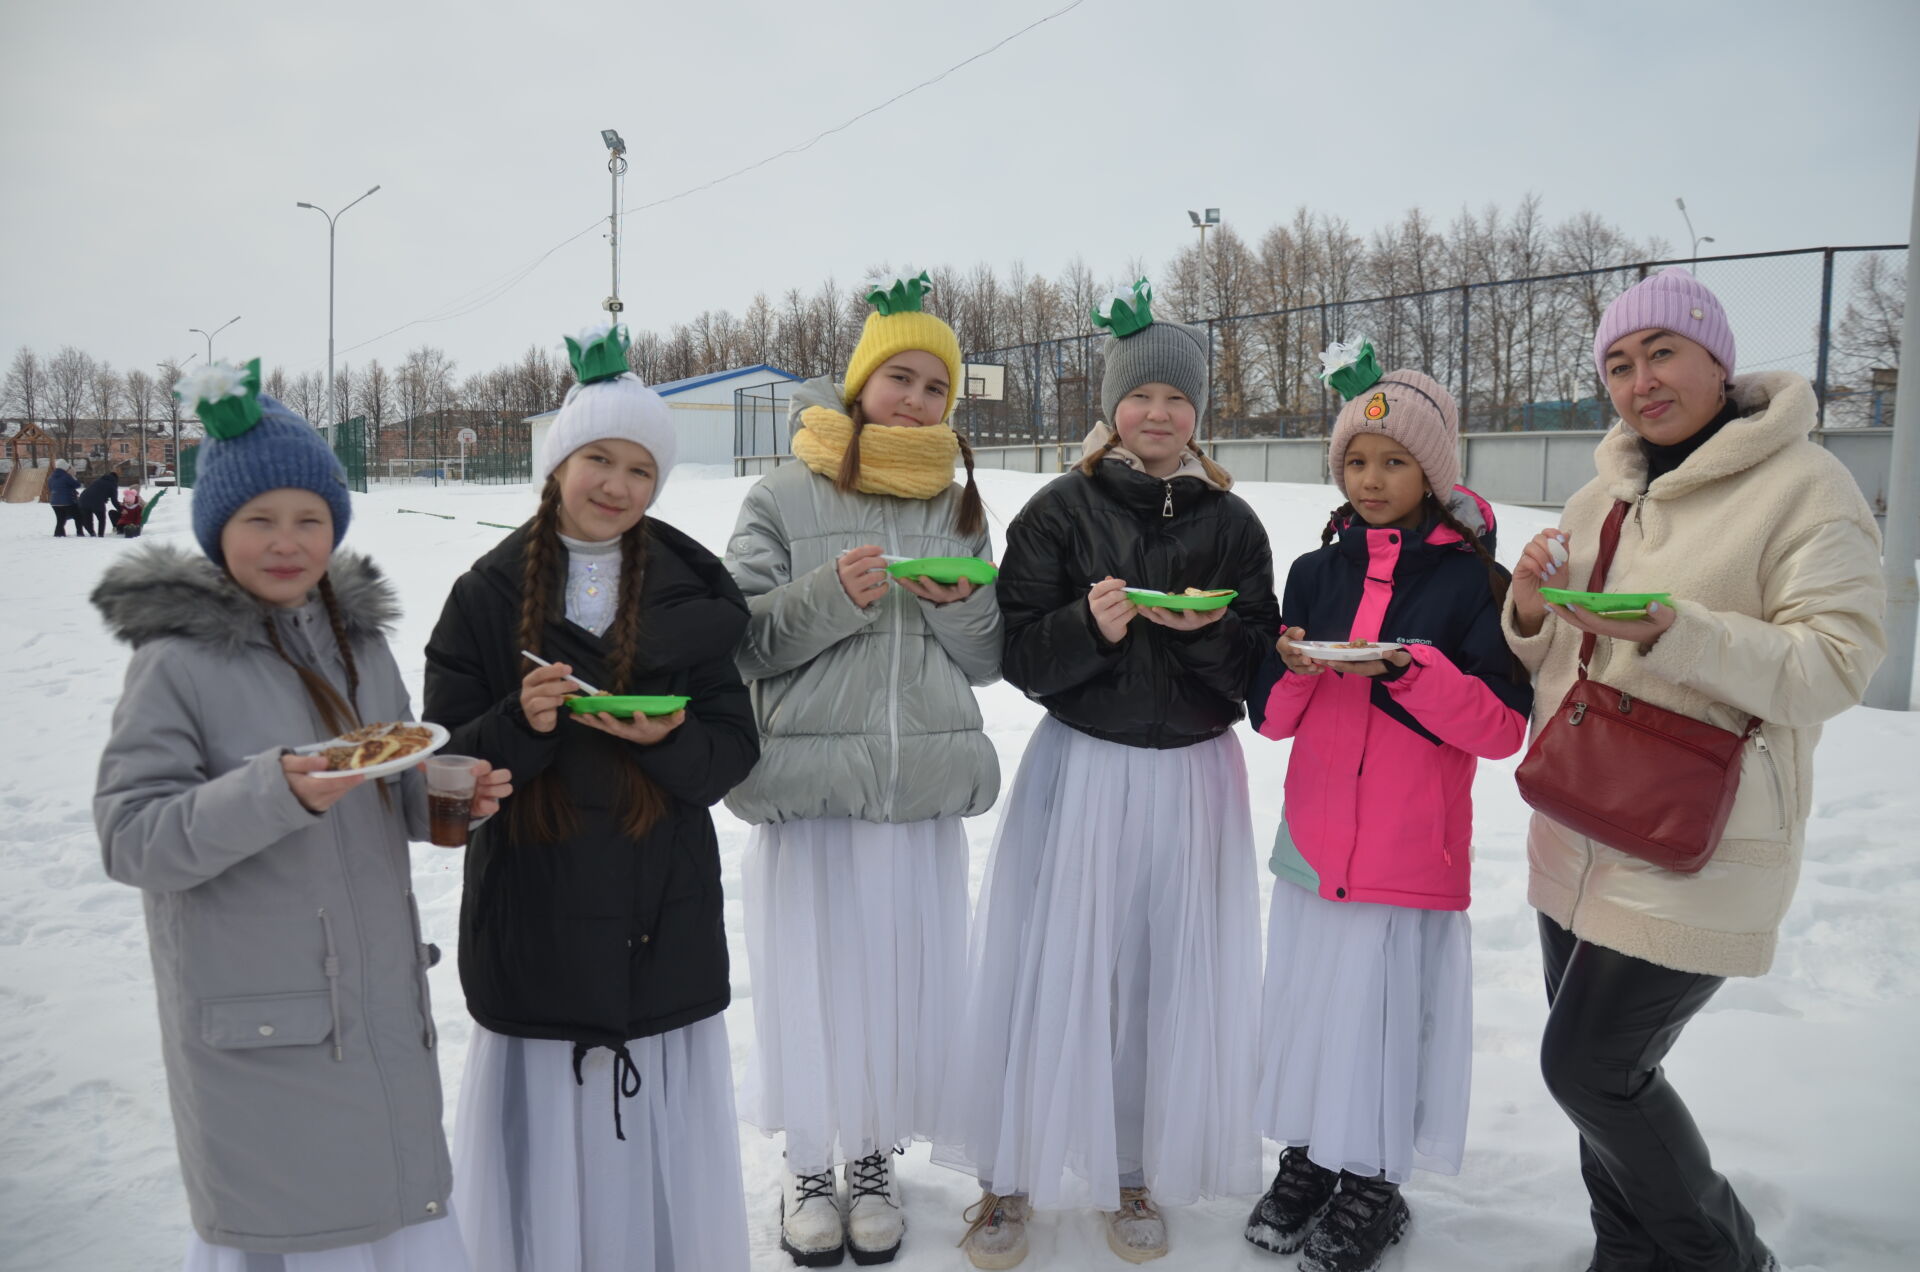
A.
pixel 1339 355
pixel 1120 297
pixel 212 383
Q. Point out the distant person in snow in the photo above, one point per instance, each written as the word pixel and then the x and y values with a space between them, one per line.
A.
pixel 63 492
pixel 96 499
pixel 1717 496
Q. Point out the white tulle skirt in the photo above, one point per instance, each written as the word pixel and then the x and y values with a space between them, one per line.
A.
pixel 1366 1037
pixel 434 1246
pixel 1113 970
pixel 541 1183
pixel 857 941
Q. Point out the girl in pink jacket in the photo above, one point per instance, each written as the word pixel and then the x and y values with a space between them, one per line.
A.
pixel 1366 1026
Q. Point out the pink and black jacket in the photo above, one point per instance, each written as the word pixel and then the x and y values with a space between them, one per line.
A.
pixel 1379 800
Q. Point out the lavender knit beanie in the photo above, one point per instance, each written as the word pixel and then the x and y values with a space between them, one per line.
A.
pixel 1674 300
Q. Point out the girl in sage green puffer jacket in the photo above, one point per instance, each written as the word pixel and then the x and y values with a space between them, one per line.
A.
pixel 872 752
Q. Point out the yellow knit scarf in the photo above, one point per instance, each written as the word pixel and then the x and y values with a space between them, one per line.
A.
pixel 913 463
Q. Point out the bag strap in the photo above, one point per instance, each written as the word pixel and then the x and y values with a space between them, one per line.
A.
pixel 1597 579
pixel 1597 582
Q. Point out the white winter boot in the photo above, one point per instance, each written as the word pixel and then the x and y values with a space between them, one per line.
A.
pixel 875 1220
pixel 1136 1232
pixel 811 1229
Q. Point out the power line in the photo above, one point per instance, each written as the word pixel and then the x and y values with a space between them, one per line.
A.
pixel 486 293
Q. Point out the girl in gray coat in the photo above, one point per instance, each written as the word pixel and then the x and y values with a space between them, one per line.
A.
pixel 287 952
pixel 872 751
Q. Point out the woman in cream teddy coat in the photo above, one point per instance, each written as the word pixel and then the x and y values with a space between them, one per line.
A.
pixel 1772 560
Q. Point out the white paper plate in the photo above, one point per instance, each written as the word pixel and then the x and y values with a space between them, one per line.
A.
pixel 1335 651
pixel 440 737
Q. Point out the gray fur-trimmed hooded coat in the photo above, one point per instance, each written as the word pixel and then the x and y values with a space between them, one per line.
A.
pixel 287 955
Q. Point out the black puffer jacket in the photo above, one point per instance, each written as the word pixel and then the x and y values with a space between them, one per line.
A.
pixel 1157 687
pixel 598 938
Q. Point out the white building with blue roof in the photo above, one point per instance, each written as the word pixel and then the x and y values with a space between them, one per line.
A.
pixel 719 416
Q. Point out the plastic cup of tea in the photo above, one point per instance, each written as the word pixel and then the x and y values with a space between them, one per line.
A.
pixel 450 783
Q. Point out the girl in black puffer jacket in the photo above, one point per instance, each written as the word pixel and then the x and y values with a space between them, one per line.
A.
pixel 596 1126
pixel 1116 942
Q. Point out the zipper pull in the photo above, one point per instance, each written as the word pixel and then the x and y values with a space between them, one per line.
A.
pixel 1166 509
pixel 1579 713
pixel 1638 504
pixel 1760 743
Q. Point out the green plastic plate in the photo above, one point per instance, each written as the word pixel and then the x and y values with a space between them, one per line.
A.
pixel 945 569
pixel 626 706
pixel 1175 600
pixel 1608 604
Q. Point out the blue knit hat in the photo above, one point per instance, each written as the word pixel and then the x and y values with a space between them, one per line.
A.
pixel 254 444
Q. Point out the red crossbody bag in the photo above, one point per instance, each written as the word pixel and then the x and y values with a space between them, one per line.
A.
pixel 1649 782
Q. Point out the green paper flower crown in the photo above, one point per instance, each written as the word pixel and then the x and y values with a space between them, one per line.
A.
pixel 598 353
pixel 225 397
pixel 1350 369
pixel 899 295
pixel 1125 313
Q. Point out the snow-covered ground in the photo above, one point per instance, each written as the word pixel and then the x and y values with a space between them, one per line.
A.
pixel 1804 1080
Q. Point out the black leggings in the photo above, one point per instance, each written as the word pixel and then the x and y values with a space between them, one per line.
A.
pixel 63 513
pixel 1658 1204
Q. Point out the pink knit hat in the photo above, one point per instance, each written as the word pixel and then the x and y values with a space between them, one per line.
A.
pixel 1672 299
pixel 1414 411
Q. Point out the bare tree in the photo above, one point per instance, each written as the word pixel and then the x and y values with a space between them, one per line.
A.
pixel 70 381
pixel 26 388
pixel 1866 343
pixel 137 390
pixel 164 382
pixel 372 401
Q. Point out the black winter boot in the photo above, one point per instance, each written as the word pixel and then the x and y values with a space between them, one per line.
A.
pixel 1367 1216
pixel 1294 1202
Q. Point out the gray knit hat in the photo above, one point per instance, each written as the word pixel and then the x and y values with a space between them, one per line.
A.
pixel 1143 350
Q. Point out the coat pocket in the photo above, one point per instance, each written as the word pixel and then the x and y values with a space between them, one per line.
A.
pixel 266 1020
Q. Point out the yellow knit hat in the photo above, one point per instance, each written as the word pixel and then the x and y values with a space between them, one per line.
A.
pixel 897 325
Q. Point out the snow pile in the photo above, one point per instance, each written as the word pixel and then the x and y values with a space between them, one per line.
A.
pixel 1803 1080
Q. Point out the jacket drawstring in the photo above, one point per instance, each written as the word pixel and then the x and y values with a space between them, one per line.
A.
pixel 626 1078
pixel 332 968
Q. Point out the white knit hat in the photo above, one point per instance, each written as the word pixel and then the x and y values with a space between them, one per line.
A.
pixel 620 407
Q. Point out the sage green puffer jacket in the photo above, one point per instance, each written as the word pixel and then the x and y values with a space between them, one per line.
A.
pixel 867 713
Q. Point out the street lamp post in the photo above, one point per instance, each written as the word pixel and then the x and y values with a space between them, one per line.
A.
pixel 331 218
pixel 617 168
pixel 1694 260
pixel 1203 222
pixel 211 334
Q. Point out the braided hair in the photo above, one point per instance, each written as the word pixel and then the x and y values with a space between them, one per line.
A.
pixel 541 811
pixel 972 517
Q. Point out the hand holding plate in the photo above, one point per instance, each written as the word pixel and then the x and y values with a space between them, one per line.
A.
pixel 644 730
pixel 316 795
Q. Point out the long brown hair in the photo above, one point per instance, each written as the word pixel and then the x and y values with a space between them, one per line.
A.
pixel 540 810
pixel 1215 473
pixel 970 520
pixel 337 714
pixel 1496 580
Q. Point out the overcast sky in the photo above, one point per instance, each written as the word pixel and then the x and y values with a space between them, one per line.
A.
pixel 151 154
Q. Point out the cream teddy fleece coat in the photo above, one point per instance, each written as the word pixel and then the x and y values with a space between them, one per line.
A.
pixel 1773 560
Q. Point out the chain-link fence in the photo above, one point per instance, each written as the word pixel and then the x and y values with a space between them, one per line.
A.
pixel 1517 354
pixel 451 447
